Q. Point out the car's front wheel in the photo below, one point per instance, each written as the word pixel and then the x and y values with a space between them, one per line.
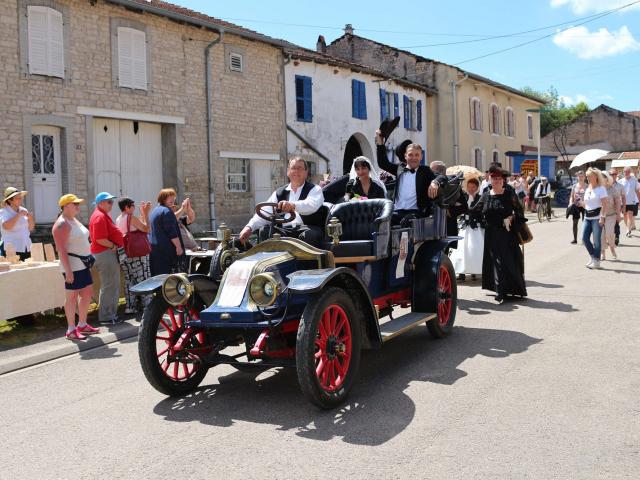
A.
pixel 168 352
pixel 328 348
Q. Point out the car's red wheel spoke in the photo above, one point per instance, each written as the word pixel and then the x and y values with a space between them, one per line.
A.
pixel 171 327
pixel 332 353
pixel 445 291
pixel 163 351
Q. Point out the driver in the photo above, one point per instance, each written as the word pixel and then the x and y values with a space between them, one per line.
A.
pixel 299 197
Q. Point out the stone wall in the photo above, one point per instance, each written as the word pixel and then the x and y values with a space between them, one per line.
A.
pixel 248 107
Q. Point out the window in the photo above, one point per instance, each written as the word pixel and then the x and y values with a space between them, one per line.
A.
pixel 419 115
pixel 358 100
pixel 494 119
pixel 237 174
pixel 235 62
pixel 477 158
pixel 388 106
pixel 495 156
pixel 304 112
pixel 46 41
pixel 530 127
pixel 475 114
pixel 132 58
pixel 511 123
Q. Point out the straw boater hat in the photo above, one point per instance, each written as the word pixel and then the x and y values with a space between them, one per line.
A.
pixel 11 192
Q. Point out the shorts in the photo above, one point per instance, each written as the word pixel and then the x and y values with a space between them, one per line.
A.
pixel 81 279
pixel 632 208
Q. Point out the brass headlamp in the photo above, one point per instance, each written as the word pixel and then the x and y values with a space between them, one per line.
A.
pixel 177 289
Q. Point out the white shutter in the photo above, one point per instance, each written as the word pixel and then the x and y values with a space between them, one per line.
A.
pixel 139 59
pixel 125 72
pixel 56 44
pixel 37 32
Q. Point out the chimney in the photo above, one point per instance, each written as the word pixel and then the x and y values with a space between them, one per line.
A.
pixel 321 45
pixel 348 29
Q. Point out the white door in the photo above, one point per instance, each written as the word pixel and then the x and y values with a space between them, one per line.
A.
pixel 261 180
pixel 128 159
pixel 45 162
pixel 140 160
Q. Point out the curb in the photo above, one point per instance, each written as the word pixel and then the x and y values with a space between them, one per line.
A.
pixel 35 354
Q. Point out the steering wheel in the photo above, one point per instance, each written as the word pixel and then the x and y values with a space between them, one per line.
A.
pixel 278 217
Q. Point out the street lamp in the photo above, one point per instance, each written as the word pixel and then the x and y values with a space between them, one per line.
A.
pixel 539 111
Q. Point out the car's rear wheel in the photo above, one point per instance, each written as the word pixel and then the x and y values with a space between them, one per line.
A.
pixel 170 370
pixel 328 348
pixel 447 300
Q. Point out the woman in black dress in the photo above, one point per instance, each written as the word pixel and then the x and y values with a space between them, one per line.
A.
pixel 503 263
pixel 363 181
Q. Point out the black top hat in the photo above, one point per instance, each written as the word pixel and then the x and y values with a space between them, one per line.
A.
pixel 388 126
pixel 400 149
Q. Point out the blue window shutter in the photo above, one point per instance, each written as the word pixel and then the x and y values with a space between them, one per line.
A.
pixel 308 106
pixel 363 101
pixel 424 156
pixel 405 111
pixel 396 105
pixel 419 114
pixel 354 98
pixel 383 105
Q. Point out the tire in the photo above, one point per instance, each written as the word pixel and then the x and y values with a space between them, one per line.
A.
pixel 177 378
pixel 541 211
pixel 339 357
pixel 447 297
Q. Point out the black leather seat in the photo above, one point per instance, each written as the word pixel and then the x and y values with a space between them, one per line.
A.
pixel 365 228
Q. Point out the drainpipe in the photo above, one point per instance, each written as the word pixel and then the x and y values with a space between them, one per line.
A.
pixel 212 192
pixel 454 97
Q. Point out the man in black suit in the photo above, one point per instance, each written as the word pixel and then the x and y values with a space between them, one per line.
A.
pixel 416 185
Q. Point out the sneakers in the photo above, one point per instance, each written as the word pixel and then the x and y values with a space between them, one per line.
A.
pixel 75 335
pixel 594 265
pixel 589 263
pixel 88 330
pixel 573 242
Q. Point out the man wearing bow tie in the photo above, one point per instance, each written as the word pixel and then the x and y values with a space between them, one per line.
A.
pixel 416 185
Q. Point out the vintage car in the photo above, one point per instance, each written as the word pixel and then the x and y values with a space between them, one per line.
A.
pixel 284 303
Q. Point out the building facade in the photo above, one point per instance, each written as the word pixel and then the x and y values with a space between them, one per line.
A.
pixel 471 120
pixel 112 95
pixel 334 108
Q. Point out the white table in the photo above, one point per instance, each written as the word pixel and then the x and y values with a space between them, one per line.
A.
pixel 30 290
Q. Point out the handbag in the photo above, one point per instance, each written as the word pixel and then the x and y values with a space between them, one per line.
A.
pixel 87 260
pixel 524 234
pixel 136 243
pixel 187 237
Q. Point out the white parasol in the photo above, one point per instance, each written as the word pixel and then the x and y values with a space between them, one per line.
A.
pixel 587 156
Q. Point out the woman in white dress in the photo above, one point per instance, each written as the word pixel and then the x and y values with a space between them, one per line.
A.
pixel 467 258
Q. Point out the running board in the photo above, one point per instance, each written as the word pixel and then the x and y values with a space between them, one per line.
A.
pixel 395 327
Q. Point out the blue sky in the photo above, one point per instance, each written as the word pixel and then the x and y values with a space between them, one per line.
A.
pixel 598 62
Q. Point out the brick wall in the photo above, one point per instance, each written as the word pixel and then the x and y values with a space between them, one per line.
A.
pixel 248 108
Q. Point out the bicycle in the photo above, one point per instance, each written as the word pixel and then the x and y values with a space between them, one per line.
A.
pixel 544 208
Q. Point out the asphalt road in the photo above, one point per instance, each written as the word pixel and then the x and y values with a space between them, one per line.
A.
pixel 541 388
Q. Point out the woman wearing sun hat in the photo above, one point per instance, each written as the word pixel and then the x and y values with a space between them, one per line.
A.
pixel 16 222
pixel 72 243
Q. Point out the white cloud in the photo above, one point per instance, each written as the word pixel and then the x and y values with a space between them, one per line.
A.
pixel 581 7
pixel 568 100
pixel 597 44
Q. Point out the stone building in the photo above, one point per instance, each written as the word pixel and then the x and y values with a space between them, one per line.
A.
pixel 471 120
pixel 334 107
pixel 111 95
pixel 603 127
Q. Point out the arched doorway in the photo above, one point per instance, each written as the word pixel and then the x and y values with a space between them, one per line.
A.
pixel 356 145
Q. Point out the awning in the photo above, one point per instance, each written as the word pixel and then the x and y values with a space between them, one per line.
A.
pixel 627 162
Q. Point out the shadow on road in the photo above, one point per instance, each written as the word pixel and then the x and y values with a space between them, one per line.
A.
pixel 485 307
pixel 378 408
pixel 533 283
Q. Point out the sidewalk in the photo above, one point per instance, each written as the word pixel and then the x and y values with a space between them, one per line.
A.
pixel 14 358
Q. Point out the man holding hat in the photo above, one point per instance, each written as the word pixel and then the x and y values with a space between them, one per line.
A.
pixel 105 240
pixel 15 223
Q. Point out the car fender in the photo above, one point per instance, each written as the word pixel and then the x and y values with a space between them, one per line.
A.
pixel 205 288
pixel 426 263
pixel 310 281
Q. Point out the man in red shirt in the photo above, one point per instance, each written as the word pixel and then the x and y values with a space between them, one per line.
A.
pixel 105 240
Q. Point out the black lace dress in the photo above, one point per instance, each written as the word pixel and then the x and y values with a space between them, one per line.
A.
pixel 503 263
